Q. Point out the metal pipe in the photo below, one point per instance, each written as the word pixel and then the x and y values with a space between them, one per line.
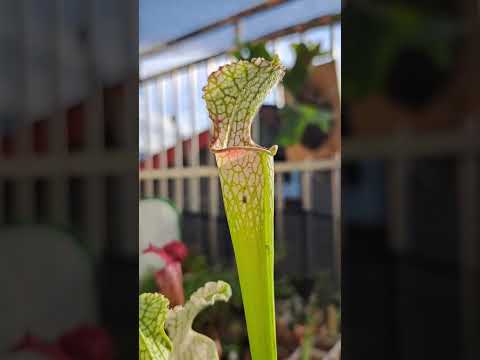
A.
pixel 194 184
pixel 57 127
pixel 320 21
pixel 163 158
pixel 148 184
pixel 231 20
pixel 175 78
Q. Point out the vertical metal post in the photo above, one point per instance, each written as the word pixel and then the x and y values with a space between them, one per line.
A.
pixel 336 217
pixel 24 139
pixel 397 184
pixel 2 186
pixel 129 131
pixel 24 193
pixel 211 67
pixel 130 127
pixel 148 162
pixel 95 113
pixel 334 58
pixel 179 141
pixel 213 194
pixel 331 39
pixel 336 182
pixel 307 205
pixel 279 191
pixel 279 216
pixel 129 242
pixel 163 151
pixel 468 190
pixel 57 127
pixel 2 203
pixel 213 212
pixel 3 15
pixel 194 183
pixel 307 189
pixel 95 184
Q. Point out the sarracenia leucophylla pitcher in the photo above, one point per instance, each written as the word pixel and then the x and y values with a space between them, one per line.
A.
pixel 233 95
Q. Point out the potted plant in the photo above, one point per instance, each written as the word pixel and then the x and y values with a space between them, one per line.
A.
pixel 309 123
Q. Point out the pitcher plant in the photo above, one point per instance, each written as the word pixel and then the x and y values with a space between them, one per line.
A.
pixel 233 95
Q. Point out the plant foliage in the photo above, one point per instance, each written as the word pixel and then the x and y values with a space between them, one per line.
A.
pixel 185 343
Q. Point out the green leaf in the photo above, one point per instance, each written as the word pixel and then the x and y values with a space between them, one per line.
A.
pixel 154 342
pixel 187 343
pixel 297 76
pixel 248 51
pixel 295 118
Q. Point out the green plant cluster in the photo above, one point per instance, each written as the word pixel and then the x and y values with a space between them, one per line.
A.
pixel 298 299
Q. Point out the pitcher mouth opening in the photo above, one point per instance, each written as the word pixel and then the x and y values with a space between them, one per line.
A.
pixel 270 151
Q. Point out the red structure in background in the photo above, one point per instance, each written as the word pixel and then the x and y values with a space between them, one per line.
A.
pixel 203 140
pixel 75 127
pixel 75 132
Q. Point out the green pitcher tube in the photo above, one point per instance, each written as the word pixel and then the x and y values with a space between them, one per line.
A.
pixel 233 95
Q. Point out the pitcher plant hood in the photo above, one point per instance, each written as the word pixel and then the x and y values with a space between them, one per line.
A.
pixel 233 95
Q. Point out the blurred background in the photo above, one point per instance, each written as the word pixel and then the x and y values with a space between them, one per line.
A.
pixel 410 166
pixel 68 179
pixel 181 43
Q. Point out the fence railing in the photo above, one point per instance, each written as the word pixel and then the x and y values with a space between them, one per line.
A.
pixel 186 176
pixel 401 150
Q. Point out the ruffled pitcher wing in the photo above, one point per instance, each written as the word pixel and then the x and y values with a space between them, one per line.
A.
pixel 187 343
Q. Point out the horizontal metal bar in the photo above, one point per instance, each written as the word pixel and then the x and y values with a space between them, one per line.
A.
pixel 314 165
pixel 384 147
pixel 209 171
pixel 82 164
pixel 389 147
pixel 175 173
pixel 408 145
